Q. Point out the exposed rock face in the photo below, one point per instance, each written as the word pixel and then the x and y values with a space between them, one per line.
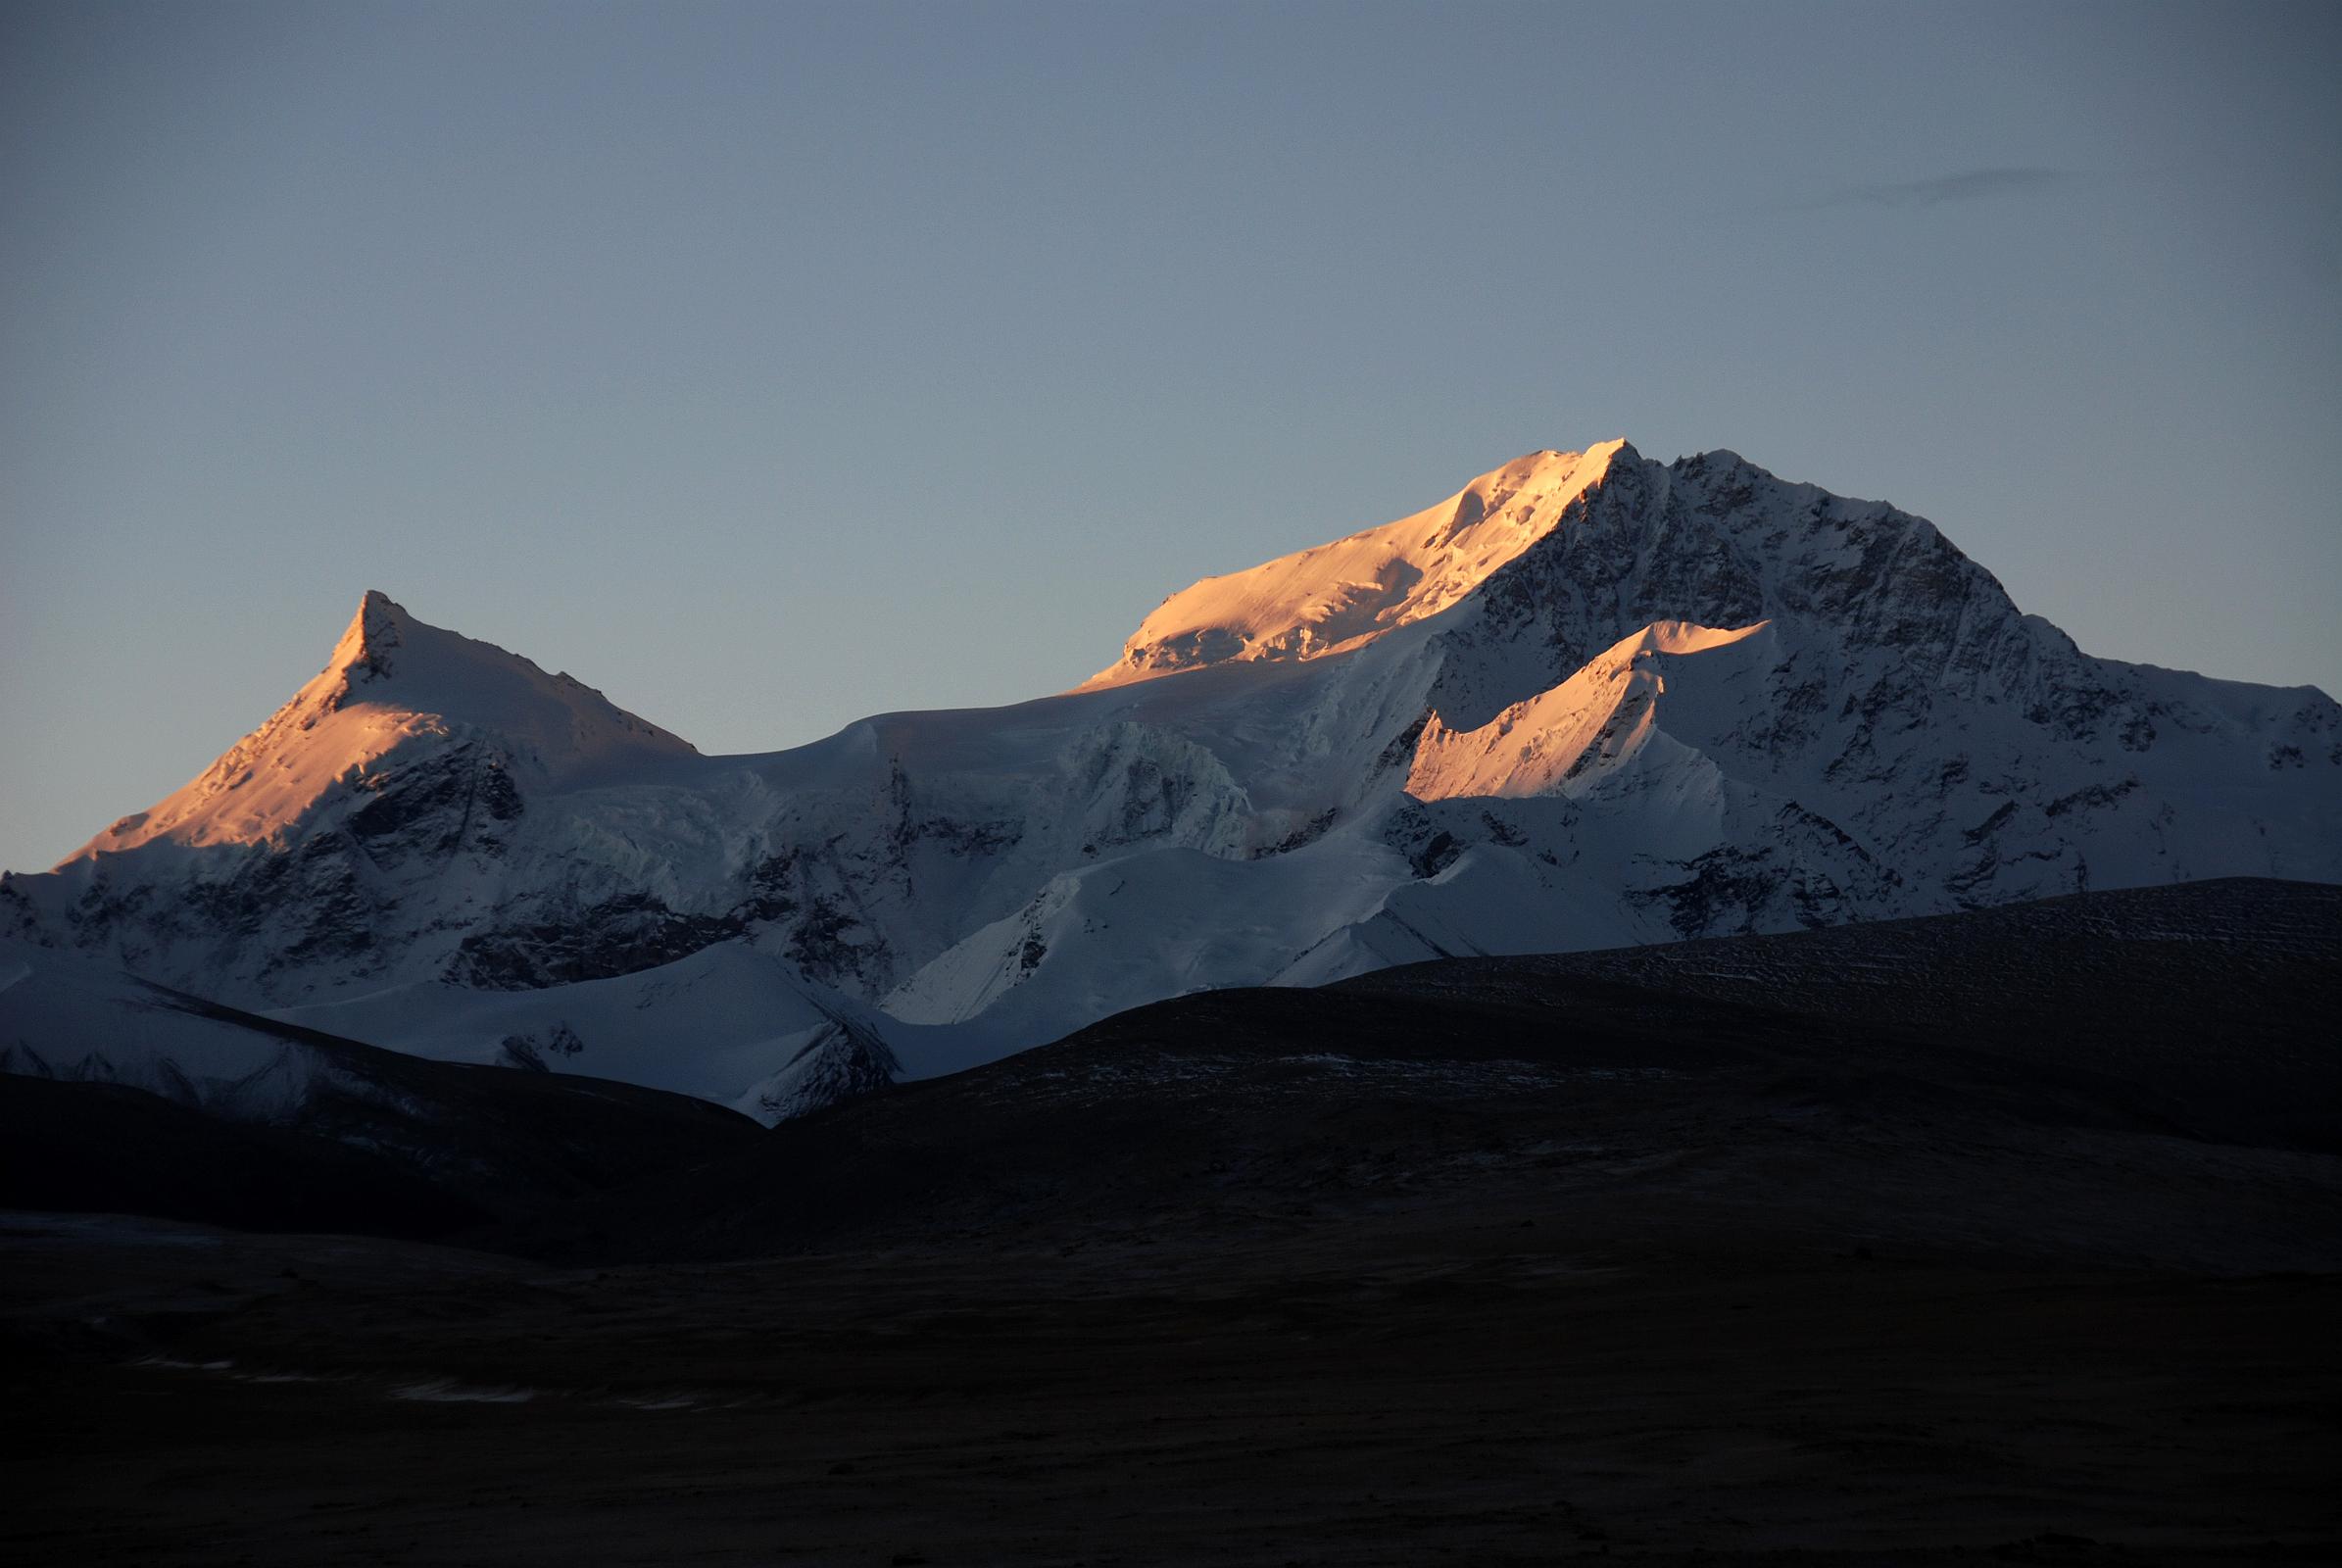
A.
pixel 841 1062
pixel 1591 700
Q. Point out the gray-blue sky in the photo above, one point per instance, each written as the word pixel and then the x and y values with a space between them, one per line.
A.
pixel 771 366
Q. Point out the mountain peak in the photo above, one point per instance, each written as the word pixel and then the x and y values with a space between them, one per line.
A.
pixel 394 684
pixel 389 658
pixel 1334 596
pixel 373 632
pixel 1595 700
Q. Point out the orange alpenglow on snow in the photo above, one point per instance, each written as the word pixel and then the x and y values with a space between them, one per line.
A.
pixel 392 680
pixel 1602 713
pixel 1336 596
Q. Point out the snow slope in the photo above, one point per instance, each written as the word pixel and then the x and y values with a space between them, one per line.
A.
pixel 1591 700
pixel 1334 597
pixel 1565 739
pixel 392 685
pixel 69 1017
pixel 725 1017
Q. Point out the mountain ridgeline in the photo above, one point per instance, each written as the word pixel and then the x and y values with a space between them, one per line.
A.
pixel 1589 701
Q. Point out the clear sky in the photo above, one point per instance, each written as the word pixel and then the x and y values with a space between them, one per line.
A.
pixel 768 365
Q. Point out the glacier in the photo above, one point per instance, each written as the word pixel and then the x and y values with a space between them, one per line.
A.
pixel 1591 700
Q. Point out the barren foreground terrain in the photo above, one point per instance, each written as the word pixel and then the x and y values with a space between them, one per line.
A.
pixel 1473 1391
pixel 2017 1234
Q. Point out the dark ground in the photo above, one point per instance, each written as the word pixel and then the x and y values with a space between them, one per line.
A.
pixel 1469 1392
pixel 385 1145
pixel 2009 1237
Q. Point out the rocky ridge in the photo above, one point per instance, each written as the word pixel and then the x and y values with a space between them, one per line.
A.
pixel 1589 701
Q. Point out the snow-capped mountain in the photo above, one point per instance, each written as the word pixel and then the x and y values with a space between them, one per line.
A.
pixel 1589 699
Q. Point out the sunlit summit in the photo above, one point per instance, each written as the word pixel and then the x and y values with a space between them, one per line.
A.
pixel 1587 699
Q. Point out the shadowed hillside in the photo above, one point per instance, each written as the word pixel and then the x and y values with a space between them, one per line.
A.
pixel 2134 1076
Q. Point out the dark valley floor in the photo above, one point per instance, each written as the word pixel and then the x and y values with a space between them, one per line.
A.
pixel 2012 1234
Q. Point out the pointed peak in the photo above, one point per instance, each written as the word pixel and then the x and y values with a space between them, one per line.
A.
pixel 376 607
pixel 394 684
pixel 448 677
pixel 364 652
